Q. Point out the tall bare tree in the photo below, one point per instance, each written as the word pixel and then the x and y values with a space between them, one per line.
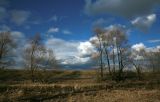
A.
pixel 34 54
pixel 99 33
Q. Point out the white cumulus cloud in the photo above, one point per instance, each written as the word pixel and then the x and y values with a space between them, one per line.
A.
pixel 145 22
pixel 71 52
pixel 138 47
pixel 86 49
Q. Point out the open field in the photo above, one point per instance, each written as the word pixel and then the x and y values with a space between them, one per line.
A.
pixel 77 86
pixel 79 50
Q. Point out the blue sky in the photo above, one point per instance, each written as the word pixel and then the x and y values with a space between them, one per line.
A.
pixel 71 22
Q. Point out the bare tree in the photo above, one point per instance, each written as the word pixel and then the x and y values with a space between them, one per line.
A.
pixel 138 60
pixel 6 47
pixel 34 54
pixel 138 69
pixel 47 62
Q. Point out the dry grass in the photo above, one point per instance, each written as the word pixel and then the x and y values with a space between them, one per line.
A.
pixel 98 92
pixel 129 95
pixel 77 86
pixel 117 96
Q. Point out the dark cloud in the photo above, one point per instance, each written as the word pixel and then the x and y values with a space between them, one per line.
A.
pixel 3 13
pixel 19 17
pixel 125 8
pixel 4 3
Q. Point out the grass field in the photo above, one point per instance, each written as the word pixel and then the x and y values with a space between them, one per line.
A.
pixel 77 86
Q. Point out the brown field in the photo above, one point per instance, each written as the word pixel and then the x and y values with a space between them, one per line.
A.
pixel 77 86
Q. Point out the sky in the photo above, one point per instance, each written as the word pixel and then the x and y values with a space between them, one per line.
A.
pixel 67 25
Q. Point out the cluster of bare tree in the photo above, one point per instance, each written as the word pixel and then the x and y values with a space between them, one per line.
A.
pixel 36 55
pixel 113 51
pixel 115 54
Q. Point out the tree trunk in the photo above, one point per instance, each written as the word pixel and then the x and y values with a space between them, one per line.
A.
pixel 101 57
pixel 32 75
pixel 138 71
pixel 114 70
pixel 108 62
pixel 31 66
pixel 101 62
